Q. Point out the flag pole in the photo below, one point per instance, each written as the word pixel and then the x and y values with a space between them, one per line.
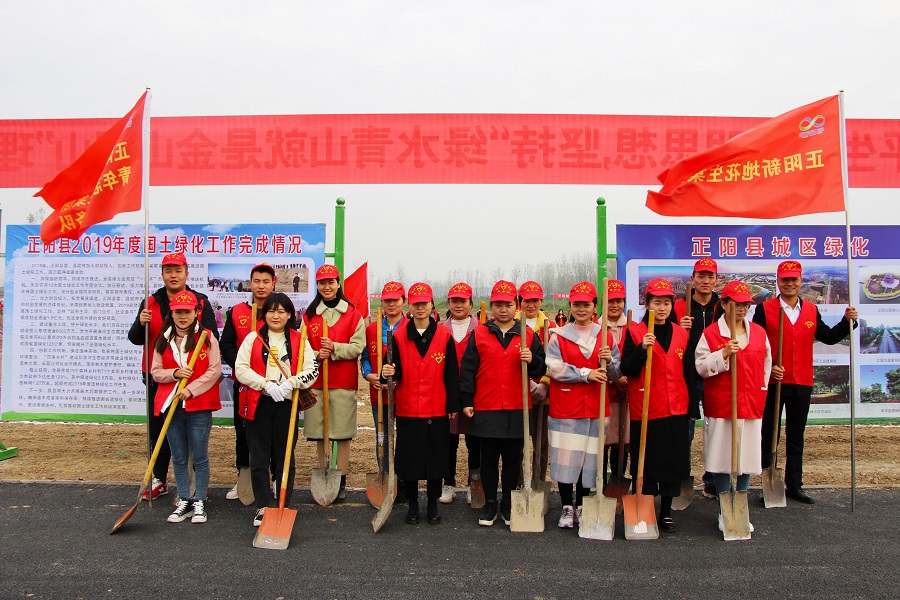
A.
pixel 145 200
pixel 851 287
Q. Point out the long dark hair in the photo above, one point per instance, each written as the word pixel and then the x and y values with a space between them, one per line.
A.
pixel 646 318
pixel 311 309
pixel 193 334
pixel 279 300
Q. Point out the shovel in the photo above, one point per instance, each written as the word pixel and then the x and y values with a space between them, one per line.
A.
pixel 598 517
pixel 538 483
pixel 683 500
pixel 733 504
pixel 476 487
pixel 640 513
pixel 384 511
pixel 244 483
pixel 619 483
pixel 527 503
pixel 274 532
pixel 326 482
pixel 773 476
pixel 162 437
pixel 377 483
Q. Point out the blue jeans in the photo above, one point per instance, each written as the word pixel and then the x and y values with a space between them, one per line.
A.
pixel 723 482
pixel 387 457
pixel 189 432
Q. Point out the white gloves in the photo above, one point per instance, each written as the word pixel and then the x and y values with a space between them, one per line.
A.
pixel 538 391
pixel 274 391
pixel 287 388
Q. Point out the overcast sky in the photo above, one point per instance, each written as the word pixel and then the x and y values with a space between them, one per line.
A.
pixel 67 59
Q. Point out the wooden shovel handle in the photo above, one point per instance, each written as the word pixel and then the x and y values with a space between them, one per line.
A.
pixel 645 410
pixel 379 348
pixel 777 413
pixel 526 454
pixel 482 316
pixel 734 418
pixel 325 387
pixel 295 397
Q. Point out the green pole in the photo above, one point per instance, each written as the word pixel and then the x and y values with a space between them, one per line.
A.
pixel 601 240
pixel 339 235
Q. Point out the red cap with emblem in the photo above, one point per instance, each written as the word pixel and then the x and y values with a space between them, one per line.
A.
pixel 660 287
pixel 503 291
pixel 583 292
pixel 420 292
pixel 789 268
pixel 392 290
pixel 327 272
pixel 615 289
pixel 531 290
pixel 460 290
pixel 706 264
pixel 176 258
pixel 737 291
pixel 185 299
pixel 265 268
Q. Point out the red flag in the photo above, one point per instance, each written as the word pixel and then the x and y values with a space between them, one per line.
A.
pixel 104 181
pixel 356 288
pixel 786 166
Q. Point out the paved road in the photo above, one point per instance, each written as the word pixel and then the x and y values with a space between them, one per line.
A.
pixel 56 545
pixel 887 345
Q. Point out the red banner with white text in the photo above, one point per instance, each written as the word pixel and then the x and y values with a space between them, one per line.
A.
pixel 418 148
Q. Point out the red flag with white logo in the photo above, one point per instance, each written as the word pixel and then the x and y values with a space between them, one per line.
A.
pixel 356 288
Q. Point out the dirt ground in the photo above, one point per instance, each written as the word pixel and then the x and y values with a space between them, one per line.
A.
pixel 118 453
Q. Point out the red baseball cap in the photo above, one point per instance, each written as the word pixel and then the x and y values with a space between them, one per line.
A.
pixel 503 291
pixel 738 291
pixel 615 289
pixel 392 290
pixel 176 258
pixel 789 268
pixel 420 292
pixel 460 290
pixel 706 264
pixel 184 299
pixel 660 287
pixel 531 290
pixel 583 292
pixel 327 272
pixel 265 267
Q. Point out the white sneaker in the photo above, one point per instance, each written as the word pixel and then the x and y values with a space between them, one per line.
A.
pixel 258 519
pixel 182 511
pixel 199 512
pixel 447 493
pixel 722 525
pixel 232 493
pixel 567 518
pixel 578 516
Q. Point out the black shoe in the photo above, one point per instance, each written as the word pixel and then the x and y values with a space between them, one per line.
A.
pixel 412 514
pixel 799 495
pixel 488 514
pixel 505 510
pixel 667 524
pixel 433 517
pixel 341 496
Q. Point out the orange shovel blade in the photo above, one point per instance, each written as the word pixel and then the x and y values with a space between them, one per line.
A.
pixel 640 517
pixel 275 530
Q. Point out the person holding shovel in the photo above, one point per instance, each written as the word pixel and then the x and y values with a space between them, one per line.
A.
pixel 266 367
pixel 346 341
pixel 461 325
pixel 188 433
pixel 237 327
pixel 667 460
pixel 754 366
pixel 617 389
pixel 574 353
pixel 803 325
pixel 426 397
pixel 492 396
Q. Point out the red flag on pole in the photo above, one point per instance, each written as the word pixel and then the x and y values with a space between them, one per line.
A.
pixel 356 288
pixel 104 181
pixel 789 165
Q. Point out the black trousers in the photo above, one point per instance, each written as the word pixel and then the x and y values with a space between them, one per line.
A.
pixel 432 490
pixel 267 433
pixel 474 448
pixel 795 400
pixel 492 450
pixel 241 449
pixel 161 468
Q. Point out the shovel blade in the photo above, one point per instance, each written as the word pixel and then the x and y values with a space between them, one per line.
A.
pixel 325 485
pixel 735 515
pixel 773 487
pixel 245 487
pixel 617 487
pixel 683 500
pixel 543 488
pixel 376 488
pixel 527 511
pixel 476 488
pixel 128 513
pixel 640 517
pixel 274 532
pixel 384 511
pixel 598 518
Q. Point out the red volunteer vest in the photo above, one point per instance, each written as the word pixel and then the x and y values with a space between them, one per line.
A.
pixel 241 315
pixel 460 346
pixel 668 391
pixel 499 377
pixel 249 398
pixel 156 323
pixel 578 400
pixel 422 392
pixel 372 351
pixel 751 388
pixel 342 374
pixel 208 400
pixel 798 341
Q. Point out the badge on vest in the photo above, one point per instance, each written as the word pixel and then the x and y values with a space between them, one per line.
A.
pixel 438 357
pixel 809 324
pixel 679 352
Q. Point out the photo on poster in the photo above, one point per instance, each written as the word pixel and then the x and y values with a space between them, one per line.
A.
pixel 831 384
pixel 879 284
pixel 879 334
pixel 879 383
